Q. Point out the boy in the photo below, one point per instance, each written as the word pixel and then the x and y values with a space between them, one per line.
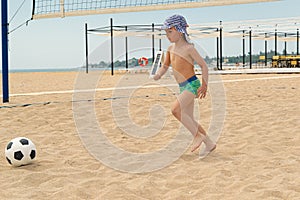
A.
pixel 181 54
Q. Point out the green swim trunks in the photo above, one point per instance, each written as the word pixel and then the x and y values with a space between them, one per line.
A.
pixel 192 84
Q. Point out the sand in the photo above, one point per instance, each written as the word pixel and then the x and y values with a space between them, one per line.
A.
pixel 257 155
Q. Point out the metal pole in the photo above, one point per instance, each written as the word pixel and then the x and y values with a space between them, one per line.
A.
pixel 153 51
pixel 297 41
pixel 218 53
pixel 112 46
pixel 250 49
pixel 221 46
pixel 285 45
pixel 126 49
pixel 86 50
pixel 5 86
pixel 275 42
pixel 244 56
pixel 266 50
pixel 160 44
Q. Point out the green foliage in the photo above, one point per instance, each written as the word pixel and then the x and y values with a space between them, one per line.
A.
pixel 239 58
pixel 133 62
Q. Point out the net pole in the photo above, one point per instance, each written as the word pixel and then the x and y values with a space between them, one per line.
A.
pixel 5 87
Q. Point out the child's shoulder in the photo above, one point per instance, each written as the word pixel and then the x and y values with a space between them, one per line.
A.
pixel 190 46
pixel 187 46
pixel 171 47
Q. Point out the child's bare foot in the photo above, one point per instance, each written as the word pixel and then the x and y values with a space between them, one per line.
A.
pixel 208 149
pixel 196 142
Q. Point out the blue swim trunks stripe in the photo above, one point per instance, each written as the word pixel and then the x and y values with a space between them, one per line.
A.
pixel 192 84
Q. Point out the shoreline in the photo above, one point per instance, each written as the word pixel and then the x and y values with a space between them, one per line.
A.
pixel 231 69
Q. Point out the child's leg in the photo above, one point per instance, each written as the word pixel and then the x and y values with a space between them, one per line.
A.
pixel 183 110
pixel 209 145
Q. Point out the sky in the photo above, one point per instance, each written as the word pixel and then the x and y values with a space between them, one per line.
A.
pixel 59 42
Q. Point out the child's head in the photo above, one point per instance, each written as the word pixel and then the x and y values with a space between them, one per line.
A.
pixel 179 23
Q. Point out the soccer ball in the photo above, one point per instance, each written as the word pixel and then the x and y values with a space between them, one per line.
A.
pixel 20 151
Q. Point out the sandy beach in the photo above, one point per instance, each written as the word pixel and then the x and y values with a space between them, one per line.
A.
pixel 257 127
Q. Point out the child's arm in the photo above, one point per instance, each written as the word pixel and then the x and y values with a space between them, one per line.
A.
pixel 164 68
pixel 161 72
pixel 200 61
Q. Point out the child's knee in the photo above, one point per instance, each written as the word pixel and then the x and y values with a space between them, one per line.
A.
pixel 175 111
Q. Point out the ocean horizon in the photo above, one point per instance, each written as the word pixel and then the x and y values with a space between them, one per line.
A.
pixel 42 70
pixel 65 69
pixel 22 70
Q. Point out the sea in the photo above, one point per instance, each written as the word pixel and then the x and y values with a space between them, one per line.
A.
pixel 75 69
pixel 43 70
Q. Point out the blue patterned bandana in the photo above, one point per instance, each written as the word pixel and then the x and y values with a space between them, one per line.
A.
pixel 178 22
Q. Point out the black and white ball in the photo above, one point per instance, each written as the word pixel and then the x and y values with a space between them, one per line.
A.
pixel 20 151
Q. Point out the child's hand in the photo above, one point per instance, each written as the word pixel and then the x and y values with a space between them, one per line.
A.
pixel 156 77
pixel 202 91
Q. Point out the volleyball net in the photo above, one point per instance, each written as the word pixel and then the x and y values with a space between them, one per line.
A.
pixel 64 8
